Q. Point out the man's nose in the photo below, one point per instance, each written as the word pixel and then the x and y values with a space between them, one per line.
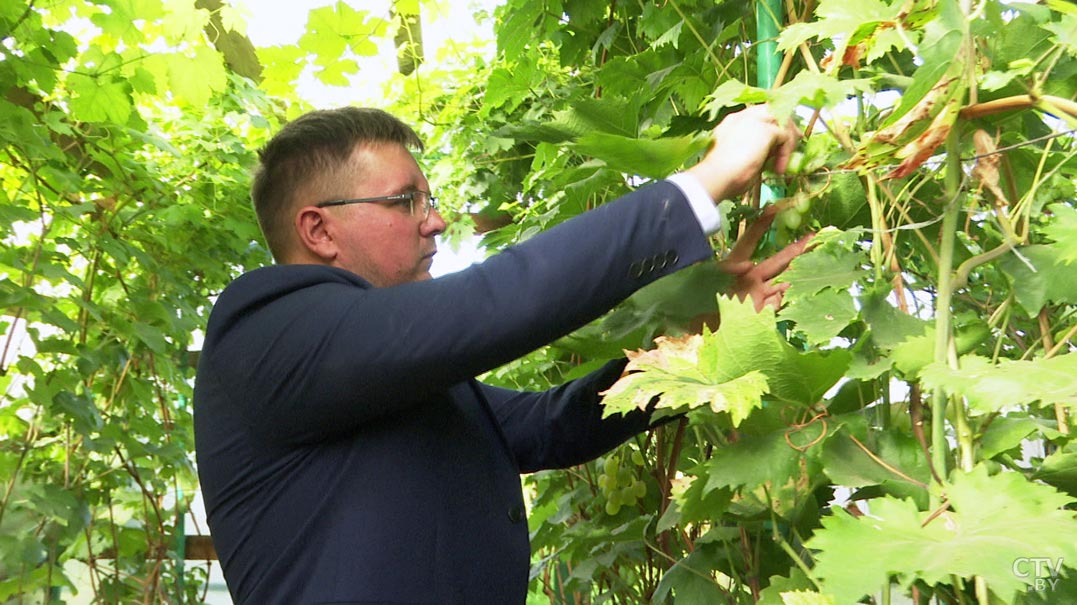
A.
pixel 433 225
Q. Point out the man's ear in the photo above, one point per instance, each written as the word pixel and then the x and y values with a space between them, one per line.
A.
pixel 312 229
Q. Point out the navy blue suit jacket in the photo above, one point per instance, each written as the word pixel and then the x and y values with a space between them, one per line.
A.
pixel 347 455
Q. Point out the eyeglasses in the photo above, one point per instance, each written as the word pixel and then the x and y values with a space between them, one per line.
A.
pixel 419 202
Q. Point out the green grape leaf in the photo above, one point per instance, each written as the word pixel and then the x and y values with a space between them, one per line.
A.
pixel 282 67
pixel 755 460
pixel 234 18
pixel 821 268
pixel 814 90
pixel 748 340
pixel 654 158
pixel 1063 230
pixel 849 465
pixel 889 325
pixel 777 585
pixel 100 99
pixel 990 522
pixel 333 29
pixel 731 93
pixel 1059 470
pixel 183 21
pixel 821 316
pixel 1006 433
pixel 336 72
pixel 990 388
pixel 911 355
pixel 1065 32
pixel 837 18
pixel 196 77
pixel 690 578
pixel 508 87
pixel 620 117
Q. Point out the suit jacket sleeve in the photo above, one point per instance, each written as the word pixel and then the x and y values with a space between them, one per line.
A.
pixel 563 426
pixel 324 352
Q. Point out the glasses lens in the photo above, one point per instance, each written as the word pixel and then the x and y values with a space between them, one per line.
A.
pixel 421 202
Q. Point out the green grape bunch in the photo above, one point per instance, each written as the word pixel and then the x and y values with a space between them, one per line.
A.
pixel 619 484
pixel 790 221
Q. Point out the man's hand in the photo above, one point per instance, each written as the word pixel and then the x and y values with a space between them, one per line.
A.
pixel 756 279
pixel 743 143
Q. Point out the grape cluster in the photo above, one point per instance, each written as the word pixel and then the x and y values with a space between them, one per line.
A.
pixel 791 217
pixel 619 484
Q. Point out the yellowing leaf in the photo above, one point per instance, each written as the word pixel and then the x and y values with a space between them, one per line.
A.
pixel 672 372
pixel 730 370
pixel 805 597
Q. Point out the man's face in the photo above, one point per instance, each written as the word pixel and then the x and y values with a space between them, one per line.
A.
pixel 382 241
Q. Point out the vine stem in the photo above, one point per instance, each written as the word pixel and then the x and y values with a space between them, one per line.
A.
pixel 944 298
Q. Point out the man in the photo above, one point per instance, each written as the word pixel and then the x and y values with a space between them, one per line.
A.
pixel 346 453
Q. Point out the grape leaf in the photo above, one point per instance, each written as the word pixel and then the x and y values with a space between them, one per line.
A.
pixel 821 268
pixel 101 99
pixel 195 78
pixel 730 93
pixel 821 316
pixel 183 21
pixel 1065 31
pixel 990 388
pixel 749 340
pixel 837 18
pixel 889 325
pixel 655 158
pixel 1063 230
pixel 756 460
pixel 911 355
pixel 805 597
pixel 814 90
pixel 1007 432
pixel 620 117
pixel 730 369
pixel 991 521
pixel 847 464
pixel 673 373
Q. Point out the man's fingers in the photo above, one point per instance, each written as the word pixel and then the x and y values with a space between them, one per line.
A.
pixel 786 143
pixel 774 295
pixel 735 268
pixel 774 265
pixel 747 242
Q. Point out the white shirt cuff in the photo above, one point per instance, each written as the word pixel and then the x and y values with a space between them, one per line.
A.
pixel 702 205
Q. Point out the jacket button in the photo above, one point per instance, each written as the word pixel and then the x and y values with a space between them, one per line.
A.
pixel 671 258
pixel 517 514
pixel 635 270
